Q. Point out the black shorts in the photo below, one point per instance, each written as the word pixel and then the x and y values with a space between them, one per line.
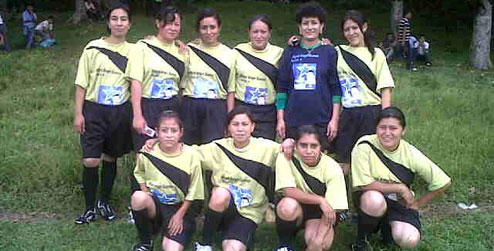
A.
pixel 396 212
pixel 321 129
pixel 108 130
pixel 204 119
pixel 151 110
pixel 237 227
pixel 163 215
pixel 354 123
pixel 265 118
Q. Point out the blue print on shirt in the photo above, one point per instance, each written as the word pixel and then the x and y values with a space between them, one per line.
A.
pixel 241 196
pixel 162 88
pixel 352 93
pixel 256 96
pixel 203 88
pixel 304 75
pixel 166 198
pixel 110 95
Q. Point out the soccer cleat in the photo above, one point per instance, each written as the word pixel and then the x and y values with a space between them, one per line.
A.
pixel 87 217
pixel 200 247
pixel 106 211
pixel 143 247
pixel 284 248
pixel 131 218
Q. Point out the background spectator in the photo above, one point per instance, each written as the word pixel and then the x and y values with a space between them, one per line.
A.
pixel 388 46
pixel 92 10
pixel 45 29
pixel 4 42
pixel 423 48
pixel 29 19
pixel 404 31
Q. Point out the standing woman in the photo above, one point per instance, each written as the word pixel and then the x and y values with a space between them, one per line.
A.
pixel 102 111
pixel 308 89
pixel 208 82
pixel 156 69
pixel 256 72
pixel 366 84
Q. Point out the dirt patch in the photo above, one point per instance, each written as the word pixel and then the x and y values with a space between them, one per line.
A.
pixel 447 210
pixel 28 217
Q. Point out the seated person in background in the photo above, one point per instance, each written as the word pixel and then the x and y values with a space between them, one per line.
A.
pixel 388 46
pixel 383 168
pixel 422 51
pixel 91 10
pixel 45 29
pixel 4 43
pixel 314 192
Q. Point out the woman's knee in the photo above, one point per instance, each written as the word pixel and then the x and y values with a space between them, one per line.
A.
pixel 287 208
pixel 140 200
pixel 373 203
pixel 171 245
pixel 405 235
pixel 91 162
pixel 220 199
pixel 233 245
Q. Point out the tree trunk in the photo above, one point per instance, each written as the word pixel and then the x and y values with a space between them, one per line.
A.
pixel 481 39
pixel 79 13
pixel 3 8
pixel 396 14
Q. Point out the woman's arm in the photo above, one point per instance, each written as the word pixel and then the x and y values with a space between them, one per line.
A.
pixel 176 225
pixel 79 121
pixel 139 123
pixel 230 101
pixel 386 97
pixel 312 199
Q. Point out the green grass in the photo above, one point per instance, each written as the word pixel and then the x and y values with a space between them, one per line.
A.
pixel 448 108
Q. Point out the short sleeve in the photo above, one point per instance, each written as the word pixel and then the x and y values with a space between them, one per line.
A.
pixel 196 187
pixel 429 171
pixel 336 194
pixel 136 63
pixel 361 175
pixel 383 74
pixel 206 153
pixel 284 176
pixel 231 77
pixel 83 72
pixel 139 170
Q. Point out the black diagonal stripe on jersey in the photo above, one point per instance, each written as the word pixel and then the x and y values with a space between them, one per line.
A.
pixel 401 172
pixel 117 59
pixel 361 69
pixel 221 69
pixel 178 65
pixel 265 67
pixel 260 172
pixel 314 184
pixel 180 178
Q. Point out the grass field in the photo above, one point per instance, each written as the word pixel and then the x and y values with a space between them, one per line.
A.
pixel 448 107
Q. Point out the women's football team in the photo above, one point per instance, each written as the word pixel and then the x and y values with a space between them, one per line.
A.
pixel 203 108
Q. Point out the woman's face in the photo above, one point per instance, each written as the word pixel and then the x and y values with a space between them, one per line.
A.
pixel 309 149
pixel 170 31
pixel 169 133
pixel 259 34
pixel 209 31
pixel 241 128
pixel 310 28
pixel 119 23
pixel 353 33
pixel 389 132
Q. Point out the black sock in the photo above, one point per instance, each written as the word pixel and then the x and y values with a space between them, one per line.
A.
pixel 386 233
pixel 211 224
pixel 143 225
pixel 366 225
pixel 90 185
pixel 108 173
pixel 287 230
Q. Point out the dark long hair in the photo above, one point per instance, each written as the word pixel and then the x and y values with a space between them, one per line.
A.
pixel 359 18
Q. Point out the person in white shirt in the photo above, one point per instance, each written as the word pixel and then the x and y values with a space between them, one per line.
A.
pixel 45 29
pixel 4 43
pixel 423 48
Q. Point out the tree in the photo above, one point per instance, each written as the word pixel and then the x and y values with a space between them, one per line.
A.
pixel 396 14
pixel 79 13
pixel 481 38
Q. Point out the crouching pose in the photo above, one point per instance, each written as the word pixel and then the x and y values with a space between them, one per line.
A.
pixel 314 192
pixel 383 168
pixel 242 168
pixel 170 179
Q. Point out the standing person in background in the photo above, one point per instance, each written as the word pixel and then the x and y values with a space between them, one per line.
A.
pixel 208 82
pixel 256 72
pixel 156 68
pixel 29 19
pixel 404 32
pixel 3 33
pixel 366 84
pixel 383 170
pixel 102 112
pixel 308 89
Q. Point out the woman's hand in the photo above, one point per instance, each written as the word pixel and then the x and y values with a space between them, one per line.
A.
pixel 80 124
pixel 328 213
pixel 148 146
pixel 176 224
pixel 139 124
pixel 182 47
pixel 287 147
pixel 294 40
pixel 332 130
pixel 280 128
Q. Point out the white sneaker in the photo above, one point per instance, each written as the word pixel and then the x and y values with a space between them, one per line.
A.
pixel 200 247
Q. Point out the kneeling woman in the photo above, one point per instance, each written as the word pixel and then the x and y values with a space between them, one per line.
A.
pixel 314 191
pixel 383 169
pixel 170 179
pixel 242 169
